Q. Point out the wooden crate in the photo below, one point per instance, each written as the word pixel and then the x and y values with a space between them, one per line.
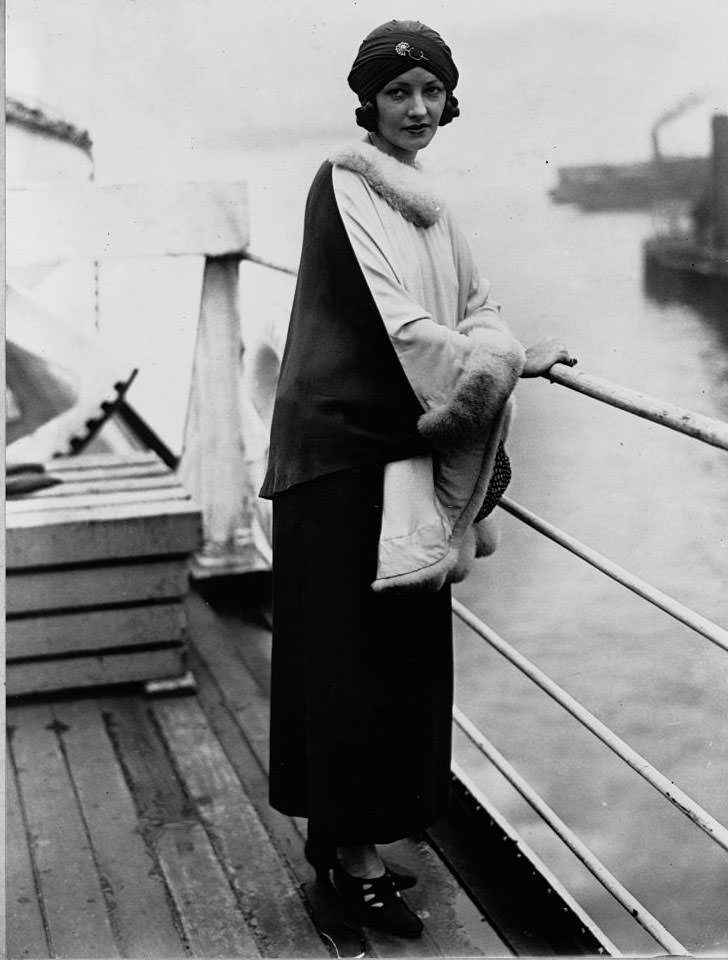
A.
pixel 97 575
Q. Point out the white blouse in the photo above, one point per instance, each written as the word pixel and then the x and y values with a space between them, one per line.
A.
pixel 424 282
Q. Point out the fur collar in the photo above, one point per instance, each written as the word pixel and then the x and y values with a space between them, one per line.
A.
pixel 404 187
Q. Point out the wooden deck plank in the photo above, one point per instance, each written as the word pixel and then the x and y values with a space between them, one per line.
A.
pixel 455 923
pixel 78 921
pixel 107 533
pixel 25 932
pixel 285 832
pixel 243 695
pixel 83 631
pixel 213 923
pixel 255 651
pixel 169 820
pixel 78 470
pixel 270 900
pixel 141 913
pixel 104 498
pixel 157 793
pixel 54 589
pixel 88 630
pixel 44 676
pixel 133 459
pixel 102 486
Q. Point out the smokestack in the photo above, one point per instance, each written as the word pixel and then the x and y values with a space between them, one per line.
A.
pixel 720 180
pixel 672 114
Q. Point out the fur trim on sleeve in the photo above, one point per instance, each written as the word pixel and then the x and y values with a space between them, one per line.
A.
pixel 487 537
pixel 404 187
pixel 492 368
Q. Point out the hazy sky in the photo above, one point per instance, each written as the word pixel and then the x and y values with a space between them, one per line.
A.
pixel 154 80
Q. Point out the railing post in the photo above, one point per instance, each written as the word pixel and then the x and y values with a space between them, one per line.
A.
pixel 212 466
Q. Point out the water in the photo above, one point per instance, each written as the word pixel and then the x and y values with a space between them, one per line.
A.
pixel 649 499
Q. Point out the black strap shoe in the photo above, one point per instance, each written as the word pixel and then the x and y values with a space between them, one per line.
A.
pixel 322 857
pixel 378 903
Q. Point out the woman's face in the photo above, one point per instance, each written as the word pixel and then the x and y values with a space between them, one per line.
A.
pixel 408 112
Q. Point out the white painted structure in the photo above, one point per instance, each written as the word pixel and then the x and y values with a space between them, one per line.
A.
pixel 73 226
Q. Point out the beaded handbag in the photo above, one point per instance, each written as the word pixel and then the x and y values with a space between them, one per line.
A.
pixel 499 481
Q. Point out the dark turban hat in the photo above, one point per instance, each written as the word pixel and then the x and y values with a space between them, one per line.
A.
pixel 395 48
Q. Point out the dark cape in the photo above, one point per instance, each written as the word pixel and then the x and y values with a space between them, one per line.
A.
pixel 362 683
pixel 343 399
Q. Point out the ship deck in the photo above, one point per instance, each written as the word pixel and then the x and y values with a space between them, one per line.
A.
pixel 139 826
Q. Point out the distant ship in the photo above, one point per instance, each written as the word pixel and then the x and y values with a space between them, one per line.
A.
pixel 702 249
pixel 635 186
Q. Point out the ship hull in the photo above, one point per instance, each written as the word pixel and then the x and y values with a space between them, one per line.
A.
pixel 631 186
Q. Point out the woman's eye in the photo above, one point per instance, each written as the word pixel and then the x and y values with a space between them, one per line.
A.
pixel 432 93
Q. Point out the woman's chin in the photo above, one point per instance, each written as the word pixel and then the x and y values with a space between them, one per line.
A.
pixel 416 140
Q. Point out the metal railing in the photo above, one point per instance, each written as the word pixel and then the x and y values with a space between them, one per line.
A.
pixel 659 781
pixel 713 432
pixel 711 631
pixel 589 859
pixel 707 430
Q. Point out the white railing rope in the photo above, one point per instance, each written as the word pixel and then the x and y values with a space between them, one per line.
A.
pixel 587 857
pixel 706 628
pixel 262 262
pixel 713 432
pixel 689 807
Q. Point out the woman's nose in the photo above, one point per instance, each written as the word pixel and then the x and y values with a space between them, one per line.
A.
pixel 417 105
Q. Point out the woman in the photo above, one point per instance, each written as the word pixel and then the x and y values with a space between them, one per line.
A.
pixel 391 409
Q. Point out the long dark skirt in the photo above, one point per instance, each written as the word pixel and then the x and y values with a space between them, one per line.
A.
pixel 362 683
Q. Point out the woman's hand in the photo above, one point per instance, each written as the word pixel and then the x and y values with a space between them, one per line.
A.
pixel 543 355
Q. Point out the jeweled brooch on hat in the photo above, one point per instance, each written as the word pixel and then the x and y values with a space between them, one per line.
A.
pixel 405 49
